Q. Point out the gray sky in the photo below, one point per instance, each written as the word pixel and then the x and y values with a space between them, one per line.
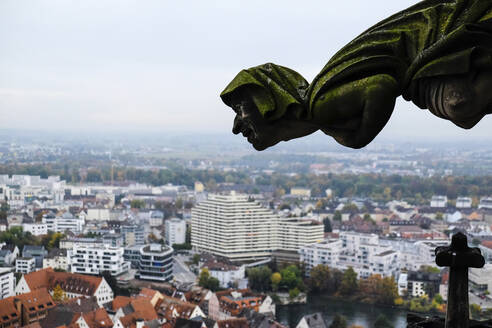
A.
pixel 160 65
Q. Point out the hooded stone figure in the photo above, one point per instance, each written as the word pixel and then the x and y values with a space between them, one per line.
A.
pixel 437 54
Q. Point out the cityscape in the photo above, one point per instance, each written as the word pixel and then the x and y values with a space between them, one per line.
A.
pixel 193 239
pixel 245 164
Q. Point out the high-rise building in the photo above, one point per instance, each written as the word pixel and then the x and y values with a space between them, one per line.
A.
pixel 175 231
pixel 240 229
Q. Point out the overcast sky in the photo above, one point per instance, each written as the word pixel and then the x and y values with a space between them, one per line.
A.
pixel 160 65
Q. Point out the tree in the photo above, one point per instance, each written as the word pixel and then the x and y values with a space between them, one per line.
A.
pixel 137 203
pixel 195 259
pixel 291 277
pixel 382 322
pixel 322 280
pixel 276 278
pixel 294 292
pixel 327 224
pixel 203 278
pixel 339 322
pixel 58 294
pixel 337 216
pixel 475 311
pixel 439 216
pixel 349 282
pixel 259 279
pixel 206 281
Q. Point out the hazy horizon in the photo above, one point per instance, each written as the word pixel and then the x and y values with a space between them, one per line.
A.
pixel 133 66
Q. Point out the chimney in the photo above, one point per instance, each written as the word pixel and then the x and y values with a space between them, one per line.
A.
pixel 140 323
pixel 78 301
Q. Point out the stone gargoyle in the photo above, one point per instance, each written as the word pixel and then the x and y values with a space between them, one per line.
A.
pixel 437 54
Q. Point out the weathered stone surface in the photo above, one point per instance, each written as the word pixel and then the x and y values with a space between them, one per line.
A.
pixel 437 54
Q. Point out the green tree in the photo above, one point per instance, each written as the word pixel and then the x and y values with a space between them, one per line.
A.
pixel 291 277
pixel 137 203
pixel 349 282
pixel 294 292
pixel 382 322
pixel 337 216
pixel 259 279
pixel 339 322
pixel 195 259
pixel 439 216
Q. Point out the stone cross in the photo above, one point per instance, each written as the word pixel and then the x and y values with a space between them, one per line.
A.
pixel 458 257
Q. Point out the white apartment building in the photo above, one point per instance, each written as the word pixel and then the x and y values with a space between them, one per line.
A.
pixel 293 233
pixel 7 282
pixel 175 231
pixel 481 279
pixel 360 251
pixel 64 222
pixel 326 253
pixel 25 265
pixel 96 260
pixel 485 202
pixel 240 229
pixel 234 227
pixel 438 201
pixel 463 202
pixel 36 228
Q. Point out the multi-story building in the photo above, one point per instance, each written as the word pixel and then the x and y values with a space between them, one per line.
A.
pixel 57 259
pixel 96 260
pixel 7 282
pixel 37 252
pixel 26 309
pixel 64 222
pixel 360 251
pixel 35 228
pixel 240 229
pixel 481 279
pixel 326 253
pixel 423 283
pixel 74 285
pixel 438 201
pixel 486 203
pixel 133 234
pixel 114 239
pixel 156 218
pixel 293 233
pixel 463 202
pixel 69 243
pixel 235 227
pixel 25 265
pixel 175 231
pixel 153 262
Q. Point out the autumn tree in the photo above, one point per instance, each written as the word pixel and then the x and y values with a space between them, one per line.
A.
pixel 58 294
pixel 349 282
pixel 276 278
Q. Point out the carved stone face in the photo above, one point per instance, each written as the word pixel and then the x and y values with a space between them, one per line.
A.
pixel 262 133
pixel 253 126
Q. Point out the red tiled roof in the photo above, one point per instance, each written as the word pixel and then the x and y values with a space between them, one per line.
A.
pixel 69 282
